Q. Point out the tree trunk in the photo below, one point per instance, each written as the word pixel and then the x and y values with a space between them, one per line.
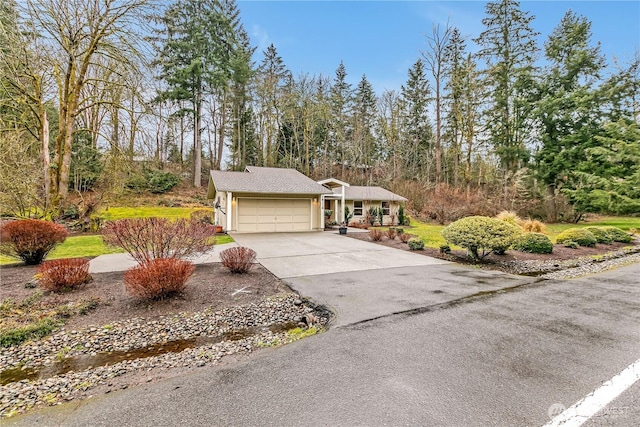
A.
pixel 197 143
pixel 46 162
pixel 552 210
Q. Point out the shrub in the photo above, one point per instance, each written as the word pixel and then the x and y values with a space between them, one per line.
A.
pixel 415 244
pixel 481 235
pixel 535 243
pixel 579 235
pixel 392 233
pixel 63 274
pixel 399 230
pixel 570 244
pixel 375 235
pixel 601 235
pixel 405 237
pixel 510 217
pixel 160 181
pixel 203 216
pixel 401 216
pixel 533 226
pixel 238 260
pixel 445 249
pixel 158 278
pixel 146 239
pixel 617 235
pixel 30 239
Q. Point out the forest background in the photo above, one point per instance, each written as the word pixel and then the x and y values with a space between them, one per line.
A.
pixel 104 98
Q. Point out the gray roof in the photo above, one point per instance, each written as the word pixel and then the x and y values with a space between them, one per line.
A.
pixel 369 193
pixel 266 180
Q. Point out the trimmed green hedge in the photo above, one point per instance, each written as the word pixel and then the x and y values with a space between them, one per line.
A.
pixel 579 235
pixel 600 234
pixel 415 244
pixel 535 243
pixel 617 234
pixel 481 235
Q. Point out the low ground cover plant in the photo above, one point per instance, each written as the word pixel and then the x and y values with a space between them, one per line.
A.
pixel 158 278
pixel 63 274
pixel 30 240
pixel 415 244
pixel 535 243
pixel 578 235
pixel 238 260
pixel 481 235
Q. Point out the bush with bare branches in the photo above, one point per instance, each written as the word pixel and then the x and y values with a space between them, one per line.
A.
pixel 63 274
pixel 392 233
pixel 375 235
pixel 146 239
pixel 238 260
pixel 405 237
pixel 31 240
pixel 158 278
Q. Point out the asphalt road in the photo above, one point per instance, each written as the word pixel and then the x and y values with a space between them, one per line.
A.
pixel 501 359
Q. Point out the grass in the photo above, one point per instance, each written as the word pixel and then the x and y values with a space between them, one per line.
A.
pixel 91 246
pixel 119 212
pixel 431 234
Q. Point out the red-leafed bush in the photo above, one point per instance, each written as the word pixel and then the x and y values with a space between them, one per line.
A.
pixel 63 274
pixel 392 233
pixel 405 237
pixel 238 260
pixel 30 239
pixel 158 278
pixel 146 239
pixel 375 235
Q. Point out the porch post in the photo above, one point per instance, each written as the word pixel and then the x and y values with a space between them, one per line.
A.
pixel 342 203
pixel 229 212
pixel 322 212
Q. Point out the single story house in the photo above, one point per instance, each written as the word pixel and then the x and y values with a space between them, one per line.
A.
pixel 261 199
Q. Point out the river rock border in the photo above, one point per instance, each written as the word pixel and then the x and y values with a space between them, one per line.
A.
pixel 19 396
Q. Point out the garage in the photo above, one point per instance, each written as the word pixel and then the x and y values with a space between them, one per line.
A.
pixel 262 215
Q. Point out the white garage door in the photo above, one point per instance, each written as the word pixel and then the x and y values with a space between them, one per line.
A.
pixel 273 215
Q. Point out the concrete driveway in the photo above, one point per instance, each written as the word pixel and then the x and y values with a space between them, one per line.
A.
pixel 289 255
pixel 361 281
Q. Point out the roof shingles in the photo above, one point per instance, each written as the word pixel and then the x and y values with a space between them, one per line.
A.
pixel 266 180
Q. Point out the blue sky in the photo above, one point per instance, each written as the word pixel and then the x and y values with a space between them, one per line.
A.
pixel 382 39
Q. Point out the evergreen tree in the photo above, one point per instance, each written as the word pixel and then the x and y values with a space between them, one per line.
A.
pixel 341 95
pixel 196 39
pixel 568 110
pixel 455 70
pixel 364 151
pixel 415 96
pixel 508 45
pixel 606 181
pixel 273 76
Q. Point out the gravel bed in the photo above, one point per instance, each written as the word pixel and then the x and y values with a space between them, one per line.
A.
pixel 572 268
pixel 131 334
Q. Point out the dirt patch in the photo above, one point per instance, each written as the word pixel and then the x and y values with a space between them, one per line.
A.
pixel 210 286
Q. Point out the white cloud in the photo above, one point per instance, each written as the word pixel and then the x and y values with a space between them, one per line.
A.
pixel 260 35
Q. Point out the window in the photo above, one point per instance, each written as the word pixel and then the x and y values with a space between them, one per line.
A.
pixel 357 208
pixel 385 208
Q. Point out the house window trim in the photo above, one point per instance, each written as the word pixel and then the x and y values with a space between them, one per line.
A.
pixel 355 208
pixel 386 210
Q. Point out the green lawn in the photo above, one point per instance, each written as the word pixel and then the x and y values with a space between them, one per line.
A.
pixel 432 236
pixel 118 212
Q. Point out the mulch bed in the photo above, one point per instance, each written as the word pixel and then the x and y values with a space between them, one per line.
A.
pixel 501 262
pixel 210 286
